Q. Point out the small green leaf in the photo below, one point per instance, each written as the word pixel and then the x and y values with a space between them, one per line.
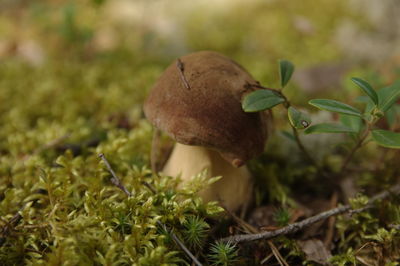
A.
pixel 362 99
pixel 335 106
pixel 260 100
pixel 386 138
pixel 353 122
pixel 367 88
pixel 329 128
pixel 298 119
pixel 286 69
pixel 388 96
pixel 391 116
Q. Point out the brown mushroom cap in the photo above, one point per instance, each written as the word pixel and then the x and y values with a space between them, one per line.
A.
pixel 209 112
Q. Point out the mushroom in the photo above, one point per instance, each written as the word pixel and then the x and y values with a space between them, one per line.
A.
pixel 197 102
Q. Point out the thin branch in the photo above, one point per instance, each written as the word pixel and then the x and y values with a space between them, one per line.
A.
pixel 6 230
pixel 331 223
pixel 116 181
pixel 358 145
pixel 249 228
pixel 13 222
pixel 292 228
pixel 181 69
pixel 277 254
pixel 295 227
pixel 302 148
pixel 150 187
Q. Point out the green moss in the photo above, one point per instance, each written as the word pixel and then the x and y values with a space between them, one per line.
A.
pixel 57 115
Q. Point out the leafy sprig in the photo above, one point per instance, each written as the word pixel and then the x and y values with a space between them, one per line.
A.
pixel 358 124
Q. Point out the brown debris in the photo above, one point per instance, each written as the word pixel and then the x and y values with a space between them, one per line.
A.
pixel 315 251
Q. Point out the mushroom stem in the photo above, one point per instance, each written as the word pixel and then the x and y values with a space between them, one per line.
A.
pixel 234 189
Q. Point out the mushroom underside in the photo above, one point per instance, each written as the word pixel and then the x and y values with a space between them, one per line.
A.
pixel 233 190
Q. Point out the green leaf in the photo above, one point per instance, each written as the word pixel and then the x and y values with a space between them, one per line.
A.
pixel 335 106
pixel 298 119
pixel 328 128
pixel 388 96
pixel 369 105
pixel 392 115
pixel 362 99
pixel 260 100
pixel 286 69
pixel 353 122
pixel 386 138
pixel 367 88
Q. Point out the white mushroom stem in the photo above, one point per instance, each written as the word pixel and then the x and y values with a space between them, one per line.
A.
pixel 235 186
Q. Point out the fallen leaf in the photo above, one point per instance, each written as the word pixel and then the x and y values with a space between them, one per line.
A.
pixel 315 251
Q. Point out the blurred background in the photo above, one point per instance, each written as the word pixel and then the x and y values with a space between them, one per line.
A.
pixel 84 66
pixel 324 39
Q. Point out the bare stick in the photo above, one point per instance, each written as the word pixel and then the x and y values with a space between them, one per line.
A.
pixel 277 254
pixel 12 223
pixel 331 223
pixel 181 68
pixel 295 227
pixel 5 231
pixel 116 181
pixel 249 228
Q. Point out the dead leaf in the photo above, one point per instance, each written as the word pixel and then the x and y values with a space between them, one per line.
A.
pixel 315 251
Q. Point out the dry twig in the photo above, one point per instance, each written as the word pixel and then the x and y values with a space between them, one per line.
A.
pixel 6 230
pixel 13 222
pixel 181 68
pixel 249 228
pixel 295 227
pixel 331 223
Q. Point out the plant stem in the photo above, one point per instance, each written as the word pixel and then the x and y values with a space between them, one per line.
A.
pixel 13 222
pixel 297 137
pixel 302 148
pixel 295 131
pixel 358 145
